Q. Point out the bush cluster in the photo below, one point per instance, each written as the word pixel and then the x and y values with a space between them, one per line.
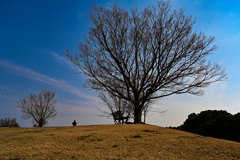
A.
pixel 8 122
pixel 214 123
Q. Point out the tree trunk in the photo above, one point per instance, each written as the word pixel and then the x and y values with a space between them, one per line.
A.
pixel 137 116
pixel 41 122
pixel 145 114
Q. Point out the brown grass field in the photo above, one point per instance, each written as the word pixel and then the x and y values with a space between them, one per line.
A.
pixel 111 142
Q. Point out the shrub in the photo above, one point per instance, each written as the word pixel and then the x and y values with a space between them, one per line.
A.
pixel 214 123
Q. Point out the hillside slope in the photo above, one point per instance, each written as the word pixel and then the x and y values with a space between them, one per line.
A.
pixel 128 141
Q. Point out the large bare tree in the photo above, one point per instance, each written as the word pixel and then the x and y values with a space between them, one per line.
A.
pixel 39 107
pixel 144 55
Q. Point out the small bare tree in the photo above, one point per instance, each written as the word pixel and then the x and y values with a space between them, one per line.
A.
pixel 114 104
pixel 38 107
pixel 145 55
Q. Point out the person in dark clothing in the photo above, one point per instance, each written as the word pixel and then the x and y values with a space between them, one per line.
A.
pixel 74 123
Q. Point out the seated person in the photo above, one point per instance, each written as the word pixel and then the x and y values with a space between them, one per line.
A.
pixel 74 123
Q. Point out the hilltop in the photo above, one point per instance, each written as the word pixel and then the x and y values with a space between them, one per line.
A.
pixel 130 141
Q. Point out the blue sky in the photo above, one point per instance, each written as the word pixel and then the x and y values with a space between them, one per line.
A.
pixel 34 34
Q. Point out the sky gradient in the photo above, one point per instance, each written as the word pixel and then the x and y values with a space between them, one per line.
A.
pixel 34 34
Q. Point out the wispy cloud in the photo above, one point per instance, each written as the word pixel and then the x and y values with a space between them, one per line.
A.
pixel 80 15
pixel 30 74
pixel 78 109
pixel 59 58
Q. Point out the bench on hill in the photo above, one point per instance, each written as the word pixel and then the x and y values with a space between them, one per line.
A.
pixel 119 118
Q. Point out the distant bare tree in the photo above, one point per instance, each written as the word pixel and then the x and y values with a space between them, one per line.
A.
pixel 145 55
pixel 114 104
pixel 39 107
pixel 8 122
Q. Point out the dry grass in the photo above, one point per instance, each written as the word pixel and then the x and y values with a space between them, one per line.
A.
pixel 111 142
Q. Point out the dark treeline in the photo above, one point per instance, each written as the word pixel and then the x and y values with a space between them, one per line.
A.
pixel 8 122
pixel 214 123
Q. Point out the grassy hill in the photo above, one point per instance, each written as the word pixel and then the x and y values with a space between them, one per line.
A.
pixel 130 141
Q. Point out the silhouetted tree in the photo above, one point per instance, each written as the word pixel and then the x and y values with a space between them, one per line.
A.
pixel 190 122
pixel 235 128
pixel 39 107
pixel 8 122
pixel 219 124
pixel 145 55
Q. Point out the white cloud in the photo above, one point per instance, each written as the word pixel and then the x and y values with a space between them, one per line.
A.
pixel 82 108
pixel 60 59
pixel 30 74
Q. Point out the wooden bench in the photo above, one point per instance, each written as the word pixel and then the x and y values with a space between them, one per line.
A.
pixel 118 118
